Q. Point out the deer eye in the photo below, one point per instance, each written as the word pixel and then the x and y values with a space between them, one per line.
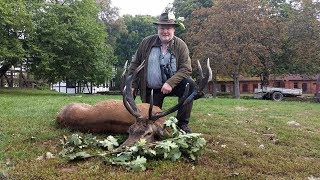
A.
pixel 149 134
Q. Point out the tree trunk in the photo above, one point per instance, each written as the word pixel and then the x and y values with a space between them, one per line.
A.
pixel 215 88
pixel 236 86
pixel 10 84
pixel 264 77
pixel 4 69
pixel 1 82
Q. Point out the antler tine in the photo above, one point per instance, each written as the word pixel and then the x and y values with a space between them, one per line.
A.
pixel 151 104
pixel 126 104
pixel 200 69
pixel 209 70
pixel 128 100
pixel 174 108
pixel 207 78
pixel 125 66
pixel 123 76
pixel 199 93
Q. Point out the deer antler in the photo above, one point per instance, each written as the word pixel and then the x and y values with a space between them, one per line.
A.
pixel 128 99
pixel 131 106
pixel 123 76
pixel 172 109
pixel 204 80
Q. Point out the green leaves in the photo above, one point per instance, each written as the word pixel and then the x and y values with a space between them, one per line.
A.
pixel 168 149
pixel 110 143
pixel 178 145
pixel 138 164
pixel 79 155
pixel 75 140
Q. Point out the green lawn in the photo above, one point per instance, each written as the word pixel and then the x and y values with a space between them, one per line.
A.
pixel 246 139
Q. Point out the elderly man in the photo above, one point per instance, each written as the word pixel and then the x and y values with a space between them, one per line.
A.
pixel 167 69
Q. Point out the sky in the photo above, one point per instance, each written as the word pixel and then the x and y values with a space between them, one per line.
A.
pixel 141 7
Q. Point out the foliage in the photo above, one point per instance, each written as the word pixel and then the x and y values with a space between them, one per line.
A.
pixel 62 40
pixel 179 145
pixel 237 36
pixel 70 43
pixel 185 8
pixel 301 46
pixel 257 38
pixel 138 27
pixel 15 26
pixel 114 25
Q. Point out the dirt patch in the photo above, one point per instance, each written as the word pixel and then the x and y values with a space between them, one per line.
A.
pixel 240 108
pixel 68 169
pixel 50 145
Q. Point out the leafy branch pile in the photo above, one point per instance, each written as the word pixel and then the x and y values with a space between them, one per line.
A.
pixel 176 145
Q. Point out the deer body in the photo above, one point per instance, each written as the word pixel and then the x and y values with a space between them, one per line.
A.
pixel 105 116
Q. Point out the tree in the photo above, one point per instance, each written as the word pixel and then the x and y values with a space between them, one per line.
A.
pixel 238 35
pixel 138 27
pixel 69 43
pixel 113 23
pixel 301 46
pixel 184 8
pixel 15 25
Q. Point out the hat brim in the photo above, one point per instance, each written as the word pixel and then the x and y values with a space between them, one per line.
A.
pixel 165 23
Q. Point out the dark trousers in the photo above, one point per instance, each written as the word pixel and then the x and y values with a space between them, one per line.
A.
pixel 184 112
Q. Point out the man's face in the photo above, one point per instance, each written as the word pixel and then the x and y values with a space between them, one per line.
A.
pixel 166 32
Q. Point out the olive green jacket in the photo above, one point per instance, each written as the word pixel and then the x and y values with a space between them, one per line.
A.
pixel 180 50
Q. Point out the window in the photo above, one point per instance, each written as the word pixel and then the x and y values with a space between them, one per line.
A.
pixel 71 84
pixel 295 85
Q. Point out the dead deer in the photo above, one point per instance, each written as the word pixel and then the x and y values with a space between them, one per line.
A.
pixel 116 116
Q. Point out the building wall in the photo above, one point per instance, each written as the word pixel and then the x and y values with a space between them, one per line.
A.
pixel 75 88
pixel 247 87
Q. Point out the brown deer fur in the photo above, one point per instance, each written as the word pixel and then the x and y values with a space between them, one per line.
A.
pixel 105 116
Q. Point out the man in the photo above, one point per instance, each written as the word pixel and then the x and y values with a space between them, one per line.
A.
pixel 167 67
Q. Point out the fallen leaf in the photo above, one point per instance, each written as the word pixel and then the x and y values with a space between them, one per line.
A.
pixel 261 146
pixel 293 123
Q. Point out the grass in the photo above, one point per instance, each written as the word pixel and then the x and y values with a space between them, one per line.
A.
pixel 246 139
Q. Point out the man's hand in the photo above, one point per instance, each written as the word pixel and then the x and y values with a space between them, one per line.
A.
pixel 166 88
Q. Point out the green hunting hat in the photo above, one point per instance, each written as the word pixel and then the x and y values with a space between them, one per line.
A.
pixel 167 19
